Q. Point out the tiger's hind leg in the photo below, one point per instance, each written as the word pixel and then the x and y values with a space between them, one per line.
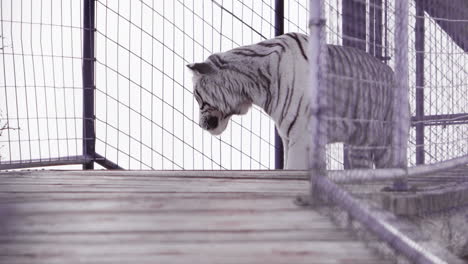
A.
pixel 383 158
pixel 360 158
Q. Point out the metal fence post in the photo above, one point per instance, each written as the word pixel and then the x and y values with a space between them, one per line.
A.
pixel 317 127
pixel 419 45
pixel 375 31
pixel 89 133
pixel 401 115
pixel 279 30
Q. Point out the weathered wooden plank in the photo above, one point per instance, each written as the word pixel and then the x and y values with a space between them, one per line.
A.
pixel 14 197
pixel 153 185
pixel 171 236
pixel 253 252
pixel 191 186
pixel 139 177
pixel 224 174
pixel 150 221
pixel 166 217
pixel 155 204
pixel 456 174
pixel 151 259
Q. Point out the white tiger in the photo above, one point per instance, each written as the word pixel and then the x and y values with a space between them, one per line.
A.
pixel 273 75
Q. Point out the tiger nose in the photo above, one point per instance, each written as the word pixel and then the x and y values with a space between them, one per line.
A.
pixel 212 122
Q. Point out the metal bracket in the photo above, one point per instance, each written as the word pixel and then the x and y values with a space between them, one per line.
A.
pixel 318 22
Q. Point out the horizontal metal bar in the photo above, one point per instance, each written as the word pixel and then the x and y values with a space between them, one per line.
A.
pixel 68 160
pixel 358 175
pixel 103 161
pixel 441 120
pixel 24 164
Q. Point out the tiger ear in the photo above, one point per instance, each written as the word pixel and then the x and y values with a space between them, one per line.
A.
pixel 201 68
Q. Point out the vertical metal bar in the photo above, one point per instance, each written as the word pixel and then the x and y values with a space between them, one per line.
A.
pixel 419 46
pixel 375 24
pixel 401 115
pixel 317 127
pixel 279 30
pixel 354 35
pixel 89 133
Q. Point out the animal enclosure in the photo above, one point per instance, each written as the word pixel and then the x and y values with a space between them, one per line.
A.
pixel 105 81
pixel 104 84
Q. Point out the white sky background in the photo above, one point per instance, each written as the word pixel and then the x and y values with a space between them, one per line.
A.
pixel 146 115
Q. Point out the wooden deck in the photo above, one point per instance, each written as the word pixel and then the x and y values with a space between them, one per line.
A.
pixel 166 217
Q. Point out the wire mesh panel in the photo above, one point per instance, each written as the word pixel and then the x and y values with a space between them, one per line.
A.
pixel 437 78
pixel 437 61
pixel 399 36
pixel 364 108
pixel 441 78
pixel 40 79
pixel 146 114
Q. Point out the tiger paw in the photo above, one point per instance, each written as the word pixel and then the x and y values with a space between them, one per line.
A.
pixel 303 200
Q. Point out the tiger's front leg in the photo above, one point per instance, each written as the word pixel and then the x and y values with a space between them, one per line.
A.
pixel 285 152
pixel 298 159
pixel 360 159
pixel 298 154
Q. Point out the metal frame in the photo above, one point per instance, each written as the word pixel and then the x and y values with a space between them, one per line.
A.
pixel 375 31
pixel 89 129
pixel 60 161
pixel 419 47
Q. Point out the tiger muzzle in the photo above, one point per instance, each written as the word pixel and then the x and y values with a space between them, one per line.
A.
pixel 211 123
pixel 214 122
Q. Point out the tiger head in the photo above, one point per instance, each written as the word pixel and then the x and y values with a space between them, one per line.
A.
pixel 218 96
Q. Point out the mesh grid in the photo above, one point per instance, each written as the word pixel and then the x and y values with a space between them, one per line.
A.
pixel 145 114
pixel 445 99
pixel 40 79
pixel 444 127
pixel 445 86
pixel 148 118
